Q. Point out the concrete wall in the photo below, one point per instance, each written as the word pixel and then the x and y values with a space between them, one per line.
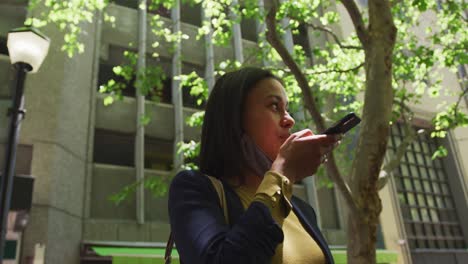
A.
pixel 193 51
pixel 57 100
pixel 11 16
pixel 119 116
pixel 460 148
pixel 111 222
pixel 5 95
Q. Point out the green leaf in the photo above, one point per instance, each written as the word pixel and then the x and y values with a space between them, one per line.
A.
pixel 108 100
pixel 441 152
pixel 117 70
pixel 420 4
pixel 145 119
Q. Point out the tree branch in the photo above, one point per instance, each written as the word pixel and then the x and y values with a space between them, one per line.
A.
pixel 344 188
pixel 460 97
pixel 309 101
pixel 358 22
pixel 274 40
pixel 395 160
pixel 335 37
pixel 337 70
pixel 456 111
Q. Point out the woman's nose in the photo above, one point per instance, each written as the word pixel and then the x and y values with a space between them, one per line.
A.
pixel 288 121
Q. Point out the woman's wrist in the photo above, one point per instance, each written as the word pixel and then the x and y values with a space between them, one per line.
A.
pixel 275 191
pixel 279 166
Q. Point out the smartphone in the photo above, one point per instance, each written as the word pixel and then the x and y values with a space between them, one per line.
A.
pixel 344 125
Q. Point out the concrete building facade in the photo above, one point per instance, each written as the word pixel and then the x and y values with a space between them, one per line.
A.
pixel 80 152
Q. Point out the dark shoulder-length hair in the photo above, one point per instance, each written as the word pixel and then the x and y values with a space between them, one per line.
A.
pixel 220 153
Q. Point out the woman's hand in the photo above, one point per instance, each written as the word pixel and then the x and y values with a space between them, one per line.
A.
pixel 302 153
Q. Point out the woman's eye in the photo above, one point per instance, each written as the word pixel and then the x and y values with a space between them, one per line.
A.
pixel 275 106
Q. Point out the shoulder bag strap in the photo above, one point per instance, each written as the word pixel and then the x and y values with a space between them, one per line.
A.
pixel 218 185
pixel 168 252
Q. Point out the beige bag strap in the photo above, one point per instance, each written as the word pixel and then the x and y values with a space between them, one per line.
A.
pixel 218 185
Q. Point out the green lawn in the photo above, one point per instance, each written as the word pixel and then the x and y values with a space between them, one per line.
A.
pixel 129 255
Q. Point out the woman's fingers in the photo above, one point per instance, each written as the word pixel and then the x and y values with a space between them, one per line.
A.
pixel 321 140
pixel 303 152
pixel 299 134
pixel 315 138
pixel 304 133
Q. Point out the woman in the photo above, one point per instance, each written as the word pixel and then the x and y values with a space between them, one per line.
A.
pixel 247 144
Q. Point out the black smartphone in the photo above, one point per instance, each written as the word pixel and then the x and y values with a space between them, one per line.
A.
pixel 344 125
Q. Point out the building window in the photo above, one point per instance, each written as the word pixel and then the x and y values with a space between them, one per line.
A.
pixel 159 94
pixel 162 95
pixel 130 4
pixel 115 57
pixel 133 4
pixel 158 154
pixel 191 14
pixel 117 148
pixel 249 29
pixel 425 196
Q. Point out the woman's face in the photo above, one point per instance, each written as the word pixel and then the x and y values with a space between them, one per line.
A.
pixel 265 118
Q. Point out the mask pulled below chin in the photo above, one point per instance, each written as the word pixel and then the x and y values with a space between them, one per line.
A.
pixel 256 159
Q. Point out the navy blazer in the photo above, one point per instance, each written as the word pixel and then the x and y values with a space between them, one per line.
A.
pixel 202 236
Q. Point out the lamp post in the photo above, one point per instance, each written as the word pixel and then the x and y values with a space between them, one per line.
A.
pixel 27 48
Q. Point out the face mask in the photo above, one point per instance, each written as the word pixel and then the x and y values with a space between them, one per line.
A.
pixel 256 159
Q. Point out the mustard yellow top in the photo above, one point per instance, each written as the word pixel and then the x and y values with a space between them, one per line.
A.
pixel 298 246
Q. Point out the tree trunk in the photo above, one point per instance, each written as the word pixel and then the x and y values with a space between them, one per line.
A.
pixel 372 144
pixel 378 40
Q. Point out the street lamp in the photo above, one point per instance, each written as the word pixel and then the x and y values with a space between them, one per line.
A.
pixel 27 48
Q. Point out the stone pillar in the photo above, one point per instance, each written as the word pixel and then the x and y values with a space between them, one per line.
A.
pixel 58 100
pixel 176 88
